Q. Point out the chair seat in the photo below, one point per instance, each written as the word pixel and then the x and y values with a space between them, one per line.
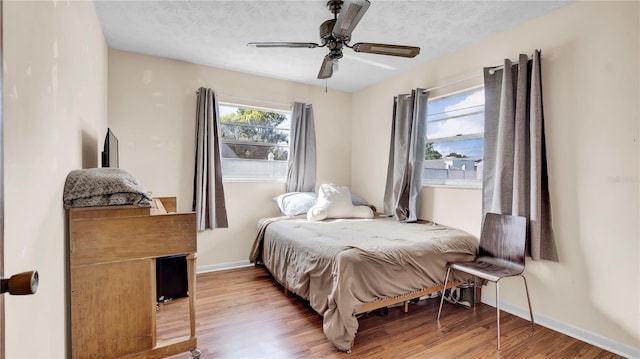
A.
pixel 492 269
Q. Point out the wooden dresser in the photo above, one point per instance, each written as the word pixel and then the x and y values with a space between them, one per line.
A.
pixel 112 257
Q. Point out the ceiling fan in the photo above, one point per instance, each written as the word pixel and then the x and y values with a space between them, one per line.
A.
pixel 335 34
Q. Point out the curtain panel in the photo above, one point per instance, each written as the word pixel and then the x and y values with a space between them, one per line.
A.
pixel 208 193
pixel 515 164
pixel 406 156
pixel 301 172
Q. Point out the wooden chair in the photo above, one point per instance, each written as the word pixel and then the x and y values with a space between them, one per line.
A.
pixel 501 254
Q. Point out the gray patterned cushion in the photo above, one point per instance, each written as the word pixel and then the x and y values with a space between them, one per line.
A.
pixel 104 187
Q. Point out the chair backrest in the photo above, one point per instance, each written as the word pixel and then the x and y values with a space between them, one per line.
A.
pixel 503 237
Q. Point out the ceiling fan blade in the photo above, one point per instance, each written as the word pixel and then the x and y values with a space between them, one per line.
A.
pixel 284 44
pixel 326 69
pixel 386 49
pixel 349 16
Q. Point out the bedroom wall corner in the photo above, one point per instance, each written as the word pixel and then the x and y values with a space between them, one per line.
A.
pixel 152 105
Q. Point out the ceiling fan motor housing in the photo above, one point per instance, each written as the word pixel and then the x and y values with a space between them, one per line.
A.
pixel 334 45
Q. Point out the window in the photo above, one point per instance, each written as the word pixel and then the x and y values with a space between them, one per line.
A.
pixel 455 139
pixel 255 143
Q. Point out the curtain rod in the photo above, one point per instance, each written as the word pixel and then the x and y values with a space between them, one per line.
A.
pixel 492 70
pixel 251 99
pixel 454 82
pixel 255 100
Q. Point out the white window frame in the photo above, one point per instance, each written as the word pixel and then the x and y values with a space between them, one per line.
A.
pixel 450 183
pixel 253 179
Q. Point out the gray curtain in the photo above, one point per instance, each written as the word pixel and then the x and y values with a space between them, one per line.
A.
pixel 301 175
pixel 515 163
pixel 406 156
pixel 208 193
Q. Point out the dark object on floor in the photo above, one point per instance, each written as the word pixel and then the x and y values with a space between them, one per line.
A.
pixel 171 278
pixel 463 295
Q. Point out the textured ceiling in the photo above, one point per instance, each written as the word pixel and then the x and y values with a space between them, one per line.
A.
pixel 215 33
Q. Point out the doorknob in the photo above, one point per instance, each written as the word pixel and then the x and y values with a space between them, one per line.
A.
pixel 20 284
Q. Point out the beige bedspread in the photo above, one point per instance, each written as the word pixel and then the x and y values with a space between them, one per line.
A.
pixel 340 264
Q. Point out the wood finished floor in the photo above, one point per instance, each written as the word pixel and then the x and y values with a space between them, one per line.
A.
pixel 244 313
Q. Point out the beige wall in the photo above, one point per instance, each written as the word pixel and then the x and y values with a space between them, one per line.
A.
pixel 591 92
pixel 55 90
pixel 55 98
pixel 152 104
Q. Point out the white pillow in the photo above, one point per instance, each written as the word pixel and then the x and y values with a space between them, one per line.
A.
pixel 335 202
pixel 295 203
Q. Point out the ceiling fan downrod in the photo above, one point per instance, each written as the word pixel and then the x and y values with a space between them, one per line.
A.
pixel 335 6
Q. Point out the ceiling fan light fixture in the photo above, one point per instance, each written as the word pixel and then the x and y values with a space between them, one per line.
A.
pixel 351 13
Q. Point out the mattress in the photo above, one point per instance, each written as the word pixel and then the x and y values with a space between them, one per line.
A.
pixel 338 265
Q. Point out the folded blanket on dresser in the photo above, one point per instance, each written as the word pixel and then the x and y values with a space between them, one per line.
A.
pixel 104 187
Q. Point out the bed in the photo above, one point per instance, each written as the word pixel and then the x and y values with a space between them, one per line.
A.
pixel 344 267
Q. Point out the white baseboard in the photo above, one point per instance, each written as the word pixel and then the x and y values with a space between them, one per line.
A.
pixel 567 329
pixel 222 266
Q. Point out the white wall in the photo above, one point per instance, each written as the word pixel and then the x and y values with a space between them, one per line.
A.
pixel 591 96
pixel 55 98
pixel 152 103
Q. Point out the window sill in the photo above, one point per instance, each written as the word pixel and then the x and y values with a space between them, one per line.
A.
pixel 453 184
pixel 253 180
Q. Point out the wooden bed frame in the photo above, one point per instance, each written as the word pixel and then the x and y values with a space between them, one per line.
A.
pixel 112 278
pixel 390 301
pixel 386 302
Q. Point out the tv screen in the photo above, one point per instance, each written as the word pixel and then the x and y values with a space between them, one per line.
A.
pixel 110 153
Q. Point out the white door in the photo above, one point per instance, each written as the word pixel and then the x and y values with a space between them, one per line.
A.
pixel 23 283
pixel 1 198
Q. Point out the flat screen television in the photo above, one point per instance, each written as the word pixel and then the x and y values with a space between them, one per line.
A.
pixel 110 153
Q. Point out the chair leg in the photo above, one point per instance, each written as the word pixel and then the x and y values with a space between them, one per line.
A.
pixel 446 278
pixel 498 313
pixel 526 288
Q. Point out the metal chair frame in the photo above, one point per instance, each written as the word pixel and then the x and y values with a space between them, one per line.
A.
pixel 495 260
